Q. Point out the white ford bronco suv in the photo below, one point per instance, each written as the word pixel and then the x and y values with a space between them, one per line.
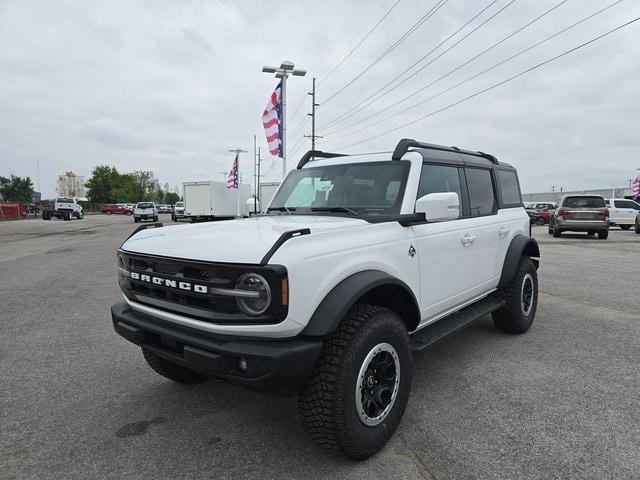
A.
pixel 358 262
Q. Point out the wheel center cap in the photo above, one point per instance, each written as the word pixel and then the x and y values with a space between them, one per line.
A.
pixel 370 381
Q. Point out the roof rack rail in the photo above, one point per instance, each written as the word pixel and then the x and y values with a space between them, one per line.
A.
pixel 317 153
pixel 406 143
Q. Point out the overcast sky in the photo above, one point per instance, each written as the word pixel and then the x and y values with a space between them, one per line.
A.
pixel 170 86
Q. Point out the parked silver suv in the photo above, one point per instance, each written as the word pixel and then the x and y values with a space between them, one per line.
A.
pixel 580 213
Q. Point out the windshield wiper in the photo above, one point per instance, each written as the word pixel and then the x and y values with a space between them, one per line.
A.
pixel 335 209
pixel 282 209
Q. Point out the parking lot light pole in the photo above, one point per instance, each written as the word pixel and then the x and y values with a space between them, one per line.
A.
pixel 286 68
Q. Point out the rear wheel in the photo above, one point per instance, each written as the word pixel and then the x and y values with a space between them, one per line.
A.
pixel 591 234
pixel 637 226
pixel 603 235
pixel 557 233
pixel 625 227
pixel 357 393
pixel 521 300
pixel 171 370
pixel 108 212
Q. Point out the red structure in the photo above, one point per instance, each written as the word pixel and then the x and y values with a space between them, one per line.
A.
pixel 12 210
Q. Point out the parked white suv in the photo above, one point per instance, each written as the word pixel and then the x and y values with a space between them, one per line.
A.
pixel 622 212
pixel 359 261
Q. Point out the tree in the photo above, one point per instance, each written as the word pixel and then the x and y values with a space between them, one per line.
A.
pixel 171 197
pixel 16 189
pixel 125 190
pixel 70 185
pixel 103 183
pixel 145 185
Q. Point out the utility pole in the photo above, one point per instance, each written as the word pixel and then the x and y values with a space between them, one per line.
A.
pixel 286 68
pixel 255 177
pixel 258 192
pixel 313 135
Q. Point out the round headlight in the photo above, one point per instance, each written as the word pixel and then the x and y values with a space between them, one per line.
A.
pixel 258 304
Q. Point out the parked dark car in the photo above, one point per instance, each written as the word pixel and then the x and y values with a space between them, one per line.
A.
pixel 116 209
pixel 539 213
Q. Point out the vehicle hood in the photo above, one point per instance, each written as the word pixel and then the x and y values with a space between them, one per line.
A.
pixel 232 241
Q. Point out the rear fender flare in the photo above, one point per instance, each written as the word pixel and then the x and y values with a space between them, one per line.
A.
pixel 520 245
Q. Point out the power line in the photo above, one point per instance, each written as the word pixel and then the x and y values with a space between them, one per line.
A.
pixel 348 112
pixel 402 38
pixel 473 77
pixel 514 33
pixel 496 85
pixel 357 45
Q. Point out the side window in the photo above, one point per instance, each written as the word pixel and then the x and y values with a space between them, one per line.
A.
pixel 510 190
pixel 482 198
pixel 438 179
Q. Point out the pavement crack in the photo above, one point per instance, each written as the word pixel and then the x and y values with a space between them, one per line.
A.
pixel 408 452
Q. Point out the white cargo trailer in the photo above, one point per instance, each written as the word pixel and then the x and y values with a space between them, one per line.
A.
pixel 267 191
pixel 214 201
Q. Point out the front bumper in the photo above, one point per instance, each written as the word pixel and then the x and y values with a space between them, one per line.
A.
pixel 278 367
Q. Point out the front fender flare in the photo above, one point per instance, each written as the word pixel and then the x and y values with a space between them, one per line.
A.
pixel 344 295
pixel 520 245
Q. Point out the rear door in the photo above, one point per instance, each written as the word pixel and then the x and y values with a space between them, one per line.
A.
pixel 491 230
pixel 583 208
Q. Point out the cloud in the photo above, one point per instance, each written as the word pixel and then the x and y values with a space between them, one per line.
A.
pixel 172 86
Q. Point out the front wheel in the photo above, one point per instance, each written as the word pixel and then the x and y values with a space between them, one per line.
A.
pixel 80 215
pixel 603 235
pixel 357 393
pixel 521 300
pixel 108 212
pixel 557 233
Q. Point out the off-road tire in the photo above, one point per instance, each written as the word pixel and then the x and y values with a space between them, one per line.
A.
pixel 327 403
pixel 171 370
pixel 511 318
pixel 603 235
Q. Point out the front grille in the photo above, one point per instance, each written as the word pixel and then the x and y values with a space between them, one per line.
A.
pixel 201 306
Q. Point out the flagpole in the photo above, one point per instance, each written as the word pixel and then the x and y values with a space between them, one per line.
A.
pixel 286 68
pixel 238 151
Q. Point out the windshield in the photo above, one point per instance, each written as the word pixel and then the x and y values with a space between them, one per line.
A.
pixel 145 205
pixel 372 188
pixel 64 200
pixel 584 202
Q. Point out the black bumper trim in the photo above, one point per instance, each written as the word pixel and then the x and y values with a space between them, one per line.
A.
pixel 278 367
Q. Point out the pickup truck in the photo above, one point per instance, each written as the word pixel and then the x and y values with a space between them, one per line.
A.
pixel 622 212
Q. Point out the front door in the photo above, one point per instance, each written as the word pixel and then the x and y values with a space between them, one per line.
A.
pixel 447 251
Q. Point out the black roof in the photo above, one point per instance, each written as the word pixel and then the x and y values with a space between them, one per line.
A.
pixel 429 151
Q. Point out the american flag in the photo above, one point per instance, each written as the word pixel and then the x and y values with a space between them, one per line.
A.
pixel 635 186
pixel 272 122
pixel 232 177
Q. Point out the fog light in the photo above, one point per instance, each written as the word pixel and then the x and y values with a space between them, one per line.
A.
pixel 242 364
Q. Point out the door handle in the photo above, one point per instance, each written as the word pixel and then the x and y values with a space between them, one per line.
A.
pixel 468 238
pixel 503 231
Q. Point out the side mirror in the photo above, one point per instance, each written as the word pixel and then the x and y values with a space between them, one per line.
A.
pixel 439 207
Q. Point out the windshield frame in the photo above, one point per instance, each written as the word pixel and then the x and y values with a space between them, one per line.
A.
pixel 371 214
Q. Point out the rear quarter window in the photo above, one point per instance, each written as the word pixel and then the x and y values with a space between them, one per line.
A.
pixel 509 188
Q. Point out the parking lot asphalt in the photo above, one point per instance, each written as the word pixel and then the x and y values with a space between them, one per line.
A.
pixel 77 401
